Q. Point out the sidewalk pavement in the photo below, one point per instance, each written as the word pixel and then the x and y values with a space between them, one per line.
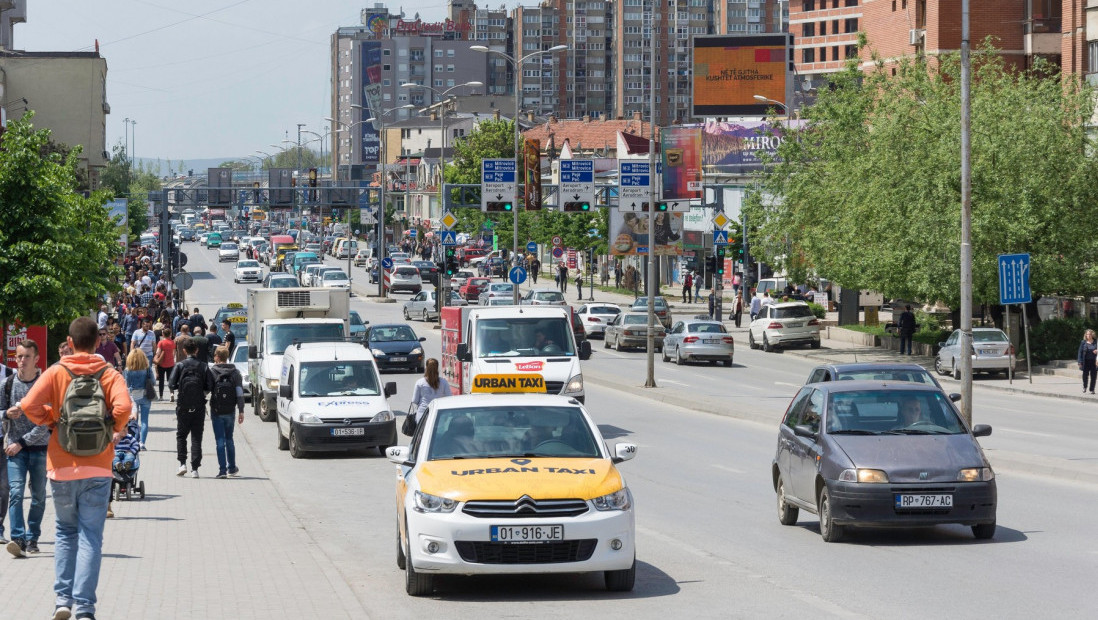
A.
pixel 194 548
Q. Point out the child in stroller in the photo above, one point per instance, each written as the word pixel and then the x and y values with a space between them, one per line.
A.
pixel 127 462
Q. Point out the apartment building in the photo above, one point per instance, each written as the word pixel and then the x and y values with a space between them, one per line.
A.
pixel 752 16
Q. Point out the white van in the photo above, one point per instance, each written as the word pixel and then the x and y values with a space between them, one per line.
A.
pixel 774 285
pixel 330 397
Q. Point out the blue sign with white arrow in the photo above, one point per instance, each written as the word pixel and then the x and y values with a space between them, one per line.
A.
pixel 517 275
pixel 720 237
pixel 1014 279
pixel 448 237
pixel 387 262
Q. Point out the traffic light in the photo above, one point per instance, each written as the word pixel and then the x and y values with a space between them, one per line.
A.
pixel 450 264
pixel 660 207
pixel 502 206
pixel 719 268
pixel 577 206
pixel 312 177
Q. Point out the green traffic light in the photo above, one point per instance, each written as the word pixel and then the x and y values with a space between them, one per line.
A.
pixel 661 206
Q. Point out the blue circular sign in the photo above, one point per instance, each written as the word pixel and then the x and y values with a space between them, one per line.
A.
pixel 531 247
pixel 517 275
pixel 558 252
pixel 387 262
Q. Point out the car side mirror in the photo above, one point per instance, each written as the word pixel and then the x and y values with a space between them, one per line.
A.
pixel 397 454
pixel 286 391
pixel 390 389
pixel 423 338
pixel 801 430
pixel 585 350
pixel 624 452
pixel 463 353
pixel 941 344
pixel 955 397
pixel 253 351
pixel 981 430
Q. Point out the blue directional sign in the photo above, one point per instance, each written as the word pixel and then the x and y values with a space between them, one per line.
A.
pixel 448 237
pixel 412 233
pixel 577 181
pixel 720 237
pixel 531 247
pixel 497 181
pixel 387 262
pixel 517 275
pixel 1014 279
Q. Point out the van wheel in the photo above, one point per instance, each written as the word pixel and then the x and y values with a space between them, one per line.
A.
pixel 283 443
pixel 295 446
pixel 266 413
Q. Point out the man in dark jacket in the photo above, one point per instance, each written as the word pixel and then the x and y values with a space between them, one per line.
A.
pixel 907 328
pixel 192 380
pixel 227 398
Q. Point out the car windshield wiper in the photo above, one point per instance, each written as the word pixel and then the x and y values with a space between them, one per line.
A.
pixel 853 431
pixel 914 431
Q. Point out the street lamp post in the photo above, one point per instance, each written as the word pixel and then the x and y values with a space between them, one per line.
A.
pixel 517 67
pixel 381 208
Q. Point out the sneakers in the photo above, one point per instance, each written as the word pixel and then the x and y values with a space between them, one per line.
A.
pixel 234 473
pixel 221 476
pixel 17 548
pixel 182 471
pixel 61 613
pixel 142 447
pixel 3 541
pixel 194 474
pixel 85 615
pixel 32 547
pixel 110 512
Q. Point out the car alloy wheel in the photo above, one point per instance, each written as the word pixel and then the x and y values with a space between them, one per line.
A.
pixel 406 317
pixel 425 317
pixel 787 513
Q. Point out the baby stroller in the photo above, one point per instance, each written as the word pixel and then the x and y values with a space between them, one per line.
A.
pixel 126 465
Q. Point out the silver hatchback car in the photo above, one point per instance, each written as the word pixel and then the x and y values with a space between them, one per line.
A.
pixel 697 340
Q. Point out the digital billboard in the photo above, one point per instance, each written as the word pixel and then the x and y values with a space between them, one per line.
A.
pixel 729 70
pixel 371 99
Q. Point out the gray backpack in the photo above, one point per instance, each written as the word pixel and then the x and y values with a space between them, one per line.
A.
pixel 86 427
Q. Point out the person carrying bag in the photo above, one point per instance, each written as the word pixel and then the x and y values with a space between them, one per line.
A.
pixel 429 387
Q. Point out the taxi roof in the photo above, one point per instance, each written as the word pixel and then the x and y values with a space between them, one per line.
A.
pixel 463 401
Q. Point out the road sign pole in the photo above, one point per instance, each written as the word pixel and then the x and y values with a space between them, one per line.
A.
pixel 1010 367
pixel 1025 330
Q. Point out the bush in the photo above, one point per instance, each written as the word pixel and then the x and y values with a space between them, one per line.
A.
pixel 1058 339
pixel 818 310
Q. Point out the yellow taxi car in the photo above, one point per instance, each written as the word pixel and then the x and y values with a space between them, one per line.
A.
pixel 511 484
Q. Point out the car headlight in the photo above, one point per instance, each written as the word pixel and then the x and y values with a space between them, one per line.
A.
pixel 425 502
pixel 382 416
pixel 575 384
pixel 310 418
pixel 874 476
pixel 272 384
pixel 618 500
pixel 377 352
pixel 417 351
pixel 975 474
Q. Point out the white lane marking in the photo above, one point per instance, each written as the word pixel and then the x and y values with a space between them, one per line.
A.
pixel 675 382
pixel 796 385
pixel 1013 430
pixel 728 469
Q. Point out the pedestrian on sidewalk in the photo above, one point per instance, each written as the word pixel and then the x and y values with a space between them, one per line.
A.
pixel 907 328
pixel 535 269
pixel 139 381
pixel 579 286
pixel 712 303
pixel 191 381
pixel 687 288
pixel 617 274
pixel 1087 358
pixel 756 305
pixel 562 273
pixel 108 349
pixel 24 447
pixel 164 359
pixel 227 397
pixel 697 287
pixel 737 308
pixel 80 485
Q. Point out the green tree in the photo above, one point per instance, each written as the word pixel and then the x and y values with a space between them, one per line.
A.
pixel 867 193
pixel 289 159
pixel 122 178
pixel 56 247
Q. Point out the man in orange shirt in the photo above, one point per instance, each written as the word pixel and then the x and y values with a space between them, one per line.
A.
pixel 80 485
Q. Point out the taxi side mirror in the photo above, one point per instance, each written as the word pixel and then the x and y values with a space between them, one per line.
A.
pixel 390 389
pixel 624 452
pixel 286 391
pixel 397 454
pixel 585 350
pixel 463 353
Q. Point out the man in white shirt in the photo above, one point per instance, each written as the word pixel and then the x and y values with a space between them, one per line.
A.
pixel 102 318
pixel 144 339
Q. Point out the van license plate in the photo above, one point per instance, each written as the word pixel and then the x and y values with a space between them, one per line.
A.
pixel 349 431
pixel 527 533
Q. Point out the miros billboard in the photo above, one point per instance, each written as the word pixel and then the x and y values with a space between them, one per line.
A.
pixel 729 70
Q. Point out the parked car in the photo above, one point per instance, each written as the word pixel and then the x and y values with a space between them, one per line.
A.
pixel 543 297
pixel 596 316
pixel 782 325
pixel 872 453
pixel 247 270
pixel 395 346
pixel 496 289
pixel 885 371
pixel 696 340
pixel 663 311
pixel 228 251
pixel 472 288
pixel 423 305
pixel 405 278
pixel 991 352
pixel 629 329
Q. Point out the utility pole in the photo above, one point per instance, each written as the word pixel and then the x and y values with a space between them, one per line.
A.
pixel 301 220
pixel 966 216
pixel 650 380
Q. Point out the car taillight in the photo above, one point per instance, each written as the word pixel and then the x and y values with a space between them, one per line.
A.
pixel 1010 350
pixel 814 322
pixel 775 325
pixel 690 339
pixel 728 340
pixel 594 319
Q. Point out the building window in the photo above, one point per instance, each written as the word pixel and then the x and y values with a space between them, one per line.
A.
pixel 809 5
pixel 823 54
pixel 386 67
pixel 1092 56
pixel 852 24
pixel 808 55
pixel 450 53
pixel 808 29
pixel 823 29
pixel 851 51
pixel 851 2
pixel 386 52
pixel 438 53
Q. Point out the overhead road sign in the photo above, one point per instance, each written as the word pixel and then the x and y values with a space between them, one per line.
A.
pixel 497 185
pixel 577 184
pixel 634 185
pixel 1014 279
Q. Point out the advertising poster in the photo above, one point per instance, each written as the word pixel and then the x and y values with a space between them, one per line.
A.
pixel 371 98
pixel 681 155
pixel 120 209
pixel 532 180
pixel 15 333
pixel 629 233
pixel 735 147
pixel 729 70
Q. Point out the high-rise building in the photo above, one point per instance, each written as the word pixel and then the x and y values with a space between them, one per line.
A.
pixel 751 16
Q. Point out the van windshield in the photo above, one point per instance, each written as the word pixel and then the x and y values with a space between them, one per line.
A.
pixel 356 378
pixel 281 336
pixel 524 337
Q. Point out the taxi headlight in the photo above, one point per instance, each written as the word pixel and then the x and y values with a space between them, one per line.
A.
pixel 618 500
pixel 874 476
pixel 310 418
pixel 382 416
pixel 975 474
pixel 425 502
pixel 272 384
pixel 575 384
pixel 377 352
pixel 417 351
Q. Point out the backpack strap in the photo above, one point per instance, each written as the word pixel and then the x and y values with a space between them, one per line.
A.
pixel 8 384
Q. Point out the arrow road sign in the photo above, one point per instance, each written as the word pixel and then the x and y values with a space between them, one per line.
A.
pixel 577 180
pixel 1014 279
pixel 517 275
pixel 497 180
pixel 387 263
pixel 720 237
pixel 634 183
pixel 448 237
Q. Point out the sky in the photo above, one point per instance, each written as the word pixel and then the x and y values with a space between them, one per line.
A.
pixel 206 78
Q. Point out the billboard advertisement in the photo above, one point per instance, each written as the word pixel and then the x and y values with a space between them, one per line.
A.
pixel 371 100
pixel 15 333
pixel 531 155
pixel 729 70
pixel 681 155
pixel 736 146
pixel 629 233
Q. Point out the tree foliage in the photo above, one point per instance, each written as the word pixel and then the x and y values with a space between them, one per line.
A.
pixel 288 158
pixel 122 178
pixel 56 246
pixel 868 193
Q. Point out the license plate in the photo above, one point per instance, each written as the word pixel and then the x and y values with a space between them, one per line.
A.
pixel 344 432
pixel 527 533
pixel 924 501
pixel 712 341
pixel 398 359
pixel 988 352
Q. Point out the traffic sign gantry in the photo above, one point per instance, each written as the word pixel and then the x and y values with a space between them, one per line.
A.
pixel 497 185
pixel 1014 279
pixel 577 185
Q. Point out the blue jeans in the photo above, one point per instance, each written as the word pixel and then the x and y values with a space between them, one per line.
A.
pixel 223 436
pixel 121 458
pixel 905 343
pixel 143 406
pixel 81 507
pixel 32 464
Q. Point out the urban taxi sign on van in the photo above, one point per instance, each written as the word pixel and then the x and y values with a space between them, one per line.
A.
pixel 502 384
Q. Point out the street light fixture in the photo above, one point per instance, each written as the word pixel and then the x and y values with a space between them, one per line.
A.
pixel 381 208
pixel 771 101
pixel 517 67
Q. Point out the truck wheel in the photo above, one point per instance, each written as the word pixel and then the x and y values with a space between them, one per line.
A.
pixel 266 413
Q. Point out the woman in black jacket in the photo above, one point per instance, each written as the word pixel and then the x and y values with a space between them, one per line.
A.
pixel 1088 360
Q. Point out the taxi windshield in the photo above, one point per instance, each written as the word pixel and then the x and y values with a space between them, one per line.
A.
pixel 511 432
pixel 338 379
pixel 514 337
